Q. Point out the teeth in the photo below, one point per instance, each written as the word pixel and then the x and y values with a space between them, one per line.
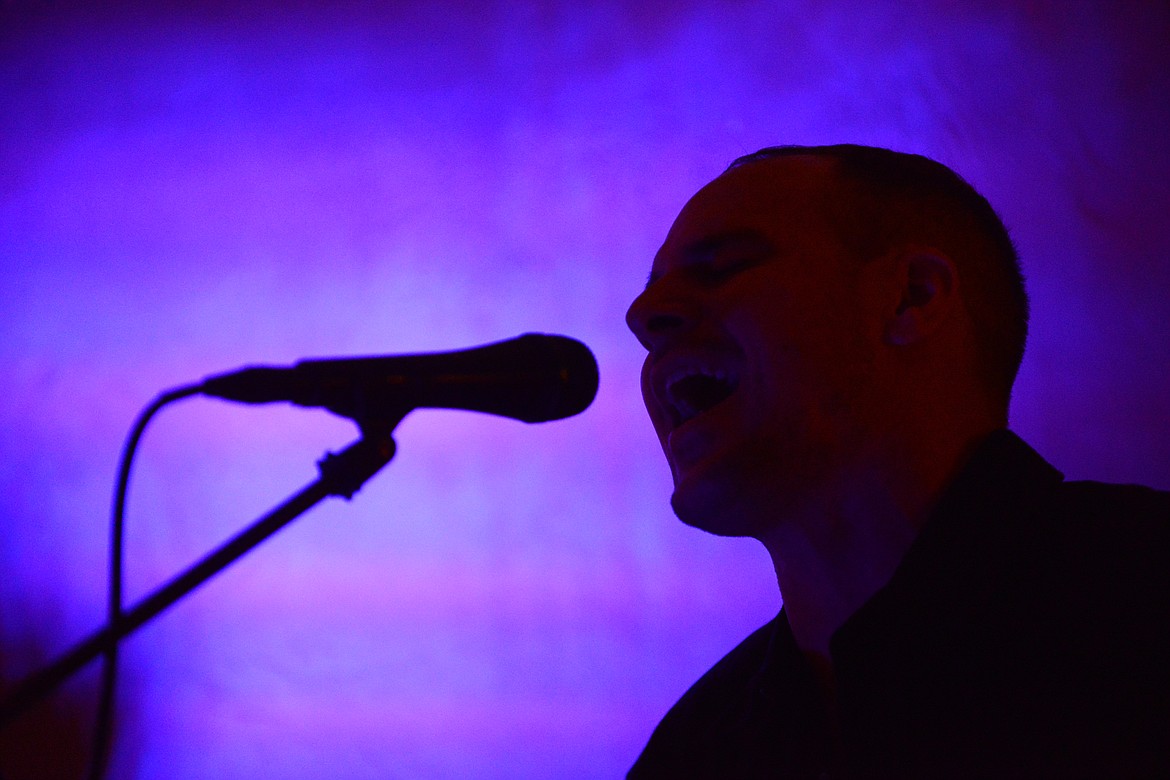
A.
pixel 683 373
pixel 682 407
pixel 684 411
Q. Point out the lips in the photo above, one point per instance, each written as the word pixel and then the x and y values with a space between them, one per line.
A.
pixel 689 386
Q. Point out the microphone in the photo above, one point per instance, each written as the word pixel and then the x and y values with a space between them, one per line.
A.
pixel 534 378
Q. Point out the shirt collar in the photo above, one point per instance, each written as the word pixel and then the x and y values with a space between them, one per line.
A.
pixel 980 526
pixel 979 522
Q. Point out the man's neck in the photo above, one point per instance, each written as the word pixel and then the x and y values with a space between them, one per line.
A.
pixel 826 573
pixel 843 545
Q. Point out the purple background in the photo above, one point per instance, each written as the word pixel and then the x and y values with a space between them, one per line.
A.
pixel 187 190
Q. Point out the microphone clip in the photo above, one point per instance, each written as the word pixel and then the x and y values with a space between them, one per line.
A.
pixel 344 473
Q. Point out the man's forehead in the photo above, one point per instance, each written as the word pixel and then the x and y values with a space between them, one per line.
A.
pixel 768 183
pixel 760 199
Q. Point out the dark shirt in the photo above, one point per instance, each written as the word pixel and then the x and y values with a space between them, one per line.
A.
pixel 1026 633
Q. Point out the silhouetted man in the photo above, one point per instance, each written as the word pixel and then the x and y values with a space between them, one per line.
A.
pixel 832 335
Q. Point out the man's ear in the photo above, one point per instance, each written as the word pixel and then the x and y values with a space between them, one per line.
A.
pixel 928 293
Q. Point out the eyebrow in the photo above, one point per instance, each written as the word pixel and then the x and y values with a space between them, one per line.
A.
pixel 703 249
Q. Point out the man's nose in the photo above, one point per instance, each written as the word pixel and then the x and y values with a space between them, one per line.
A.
pixel 663 311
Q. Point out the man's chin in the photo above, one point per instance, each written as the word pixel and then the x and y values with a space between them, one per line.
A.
pixel 709 507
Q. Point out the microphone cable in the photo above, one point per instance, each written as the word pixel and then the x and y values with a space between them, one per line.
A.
pixel 103 724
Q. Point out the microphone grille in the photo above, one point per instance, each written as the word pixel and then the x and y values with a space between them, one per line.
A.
pixel 574 376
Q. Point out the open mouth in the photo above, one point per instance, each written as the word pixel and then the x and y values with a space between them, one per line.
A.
pixel 693 393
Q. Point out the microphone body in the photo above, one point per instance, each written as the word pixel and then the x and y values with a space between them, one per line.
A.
pixel 534 378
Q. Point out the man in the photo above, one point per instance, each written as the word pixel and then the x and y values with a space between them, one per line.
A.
pixel 832 336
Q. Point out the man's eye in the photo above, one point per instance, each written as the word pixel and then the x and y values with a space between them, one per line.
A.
pixel 723 268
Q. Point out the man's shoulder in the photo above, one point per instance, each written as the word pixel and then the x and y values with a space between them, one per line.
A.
pixel 1107 548
pixel 1007 459
pixel 1009 498
pixel 1132 507
pixel 1110 528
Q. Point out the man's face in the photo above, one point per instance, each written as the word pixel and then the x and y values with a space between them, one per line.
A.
pixel 760 346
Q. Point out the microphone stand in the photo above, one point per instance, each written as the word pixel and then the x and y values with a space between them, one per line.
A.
pixel 342 474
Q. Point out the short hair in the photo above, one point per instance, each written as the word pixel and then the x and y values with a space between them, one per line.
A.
pixel 894 198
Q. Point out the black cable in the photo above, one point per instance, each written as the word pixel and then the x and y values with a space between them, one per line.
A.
pixel 103 726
